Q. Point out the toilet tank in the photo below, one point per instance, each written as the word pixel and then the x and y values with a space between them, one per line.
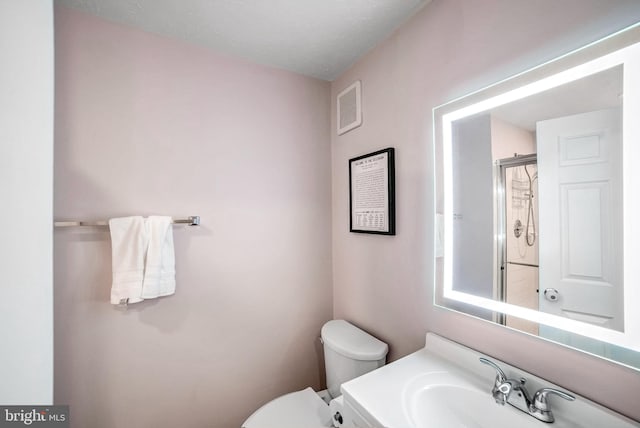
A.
pixel 348 353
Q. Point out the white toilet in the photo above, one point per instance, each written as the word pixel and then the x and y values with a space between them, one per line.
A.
pixel 348 353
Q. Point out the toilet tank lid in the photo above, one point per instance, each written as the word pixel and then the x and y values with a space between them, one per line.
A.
pixel 348 340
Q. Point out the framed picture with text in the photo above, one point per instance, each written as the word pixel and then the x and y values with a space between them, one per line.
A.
pixel 372 193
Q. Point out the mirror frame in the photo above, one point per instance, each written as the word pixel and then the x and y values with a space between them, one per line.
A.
pixel 595 57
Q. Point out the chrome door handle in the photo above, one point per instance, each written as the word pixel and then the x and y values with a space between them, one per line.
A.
pixel 551 294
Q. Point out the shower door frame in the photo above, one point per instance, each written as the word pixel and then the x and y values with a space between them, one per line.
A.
pixel 500 193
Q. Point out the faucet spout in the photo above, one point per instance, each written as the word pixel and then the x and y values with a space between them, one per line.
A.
pixel 516 394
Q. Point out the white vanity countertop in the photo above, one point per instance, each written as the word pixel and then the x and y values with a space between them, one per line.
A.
pixel 382 395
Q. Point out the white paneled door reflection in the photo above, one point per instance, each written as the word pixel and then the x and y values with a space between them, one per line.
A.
pixel 580 181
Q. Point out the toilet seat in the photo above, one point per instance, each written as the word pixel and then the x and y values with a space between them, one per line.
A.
pixel 295 410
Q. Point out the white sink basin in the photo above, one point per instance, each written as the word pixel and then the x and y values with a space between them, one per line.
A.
pixel 443 399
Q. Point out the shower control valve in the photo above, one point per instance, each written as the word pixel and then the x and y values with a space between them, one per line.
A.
pixel 518 227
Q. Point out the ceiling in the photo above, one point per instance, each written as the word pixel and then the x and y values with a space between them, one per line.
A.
pixel 318 38
pixel 599 91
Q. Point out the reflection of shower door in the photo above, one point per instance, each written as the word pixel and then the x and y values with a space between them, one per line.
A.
pixel 518 252
pixel 580 165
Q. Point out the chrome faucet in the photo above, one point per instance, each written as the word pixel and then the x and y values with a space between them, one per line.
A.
pixel 513 392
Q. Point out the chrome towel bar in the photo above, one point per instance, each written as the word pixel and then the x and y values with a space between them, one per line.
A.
pixel 193 220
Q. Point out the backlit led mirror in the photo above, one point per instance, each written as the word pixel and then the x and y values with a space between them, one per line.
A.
pixel 538 197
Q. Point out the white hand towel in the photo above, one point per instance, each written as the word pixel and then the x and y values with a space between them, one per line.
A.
pixel 128 248
pixel 160 273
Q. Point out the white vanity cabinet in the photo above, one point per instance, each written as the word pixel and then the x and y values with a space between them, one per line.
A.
pixel 354 419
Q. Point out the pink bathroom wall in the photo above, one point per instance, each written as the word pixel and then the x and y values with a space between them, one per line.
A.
pixel 451 47
pixel 148 125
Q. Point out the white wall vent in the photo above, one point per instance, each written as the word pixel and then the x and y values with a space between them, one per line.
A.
pixel 349 108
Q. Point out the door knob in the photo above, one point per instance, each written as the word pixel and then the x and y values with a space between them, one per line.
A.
pixel 551 294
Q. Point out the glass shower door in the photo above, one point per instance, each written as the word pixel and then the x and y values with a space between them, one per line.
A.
pixel 519 252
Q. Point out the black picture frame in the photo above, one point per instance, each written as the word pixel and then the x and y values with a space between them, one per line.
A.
pixel 372 207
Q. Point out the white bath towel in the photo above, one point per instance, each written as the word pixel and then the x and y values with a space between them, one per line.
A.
pixel 160 273
pixel 128 249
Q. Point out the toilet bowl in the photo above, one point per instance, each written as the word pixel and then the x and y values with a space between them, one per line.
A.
pixel 348 352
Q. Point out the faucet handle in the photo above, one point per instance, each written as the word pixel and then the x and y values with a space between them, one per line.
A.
pixel 541 409
pixel 501 389
pixel 540 400
pixel 500 376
